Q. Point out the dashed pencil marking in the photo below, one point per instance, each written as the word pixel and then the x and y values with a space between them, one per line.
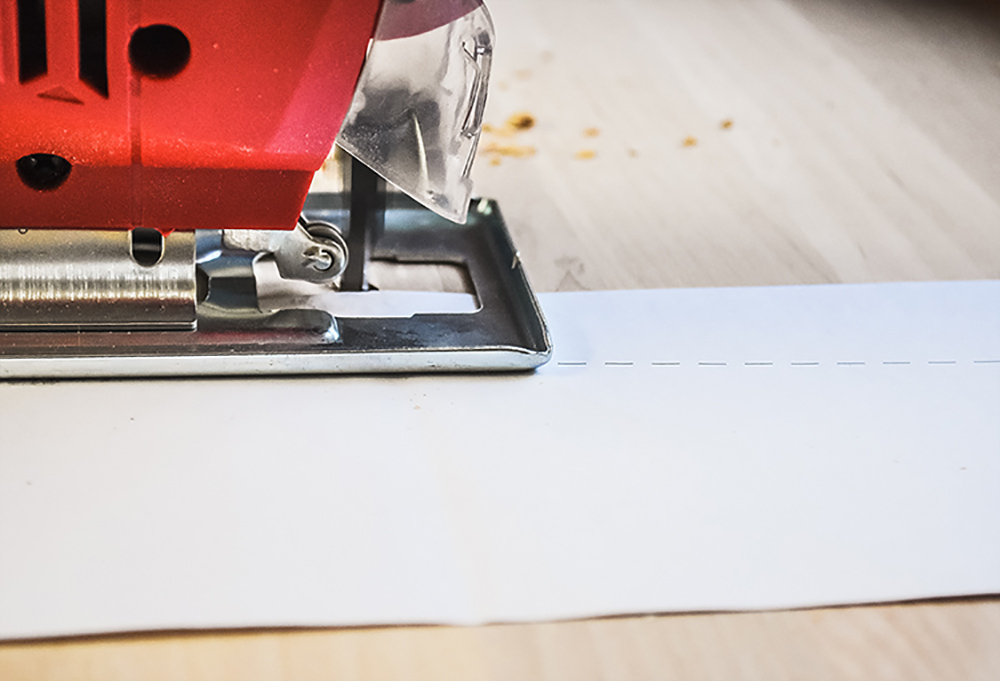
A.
pixel 844 363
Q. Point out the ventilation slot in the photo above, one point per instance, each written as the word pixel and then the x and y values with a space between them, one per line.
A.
pixel 33 58
pixel 94 45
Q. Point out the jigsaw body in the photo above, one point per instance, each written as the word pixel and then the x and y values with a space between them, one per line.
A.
pixel 155 159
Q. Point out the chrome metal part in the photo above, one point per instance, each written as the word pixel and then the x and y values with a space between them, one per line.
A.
pixel 88 279
pixel 234 337
pixel 313 251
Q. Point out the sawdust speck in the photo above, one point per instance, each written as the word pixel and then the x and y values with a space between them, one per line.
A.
pixel 690 141
pixel 514 150
pixel 586 154
pixel 521 121
pixel 516 124
pixel 591 132
pixel 726 124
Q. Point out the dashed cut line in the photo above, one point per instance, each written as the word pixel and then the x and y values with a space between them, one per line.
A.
pixel 844 363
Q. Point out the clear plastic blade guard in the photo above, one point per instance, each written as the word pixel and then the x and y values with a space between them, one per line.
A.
pixel 418 107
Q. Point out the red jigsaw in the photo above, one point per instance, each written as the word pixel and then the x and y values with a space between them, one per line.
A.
pixel 171 114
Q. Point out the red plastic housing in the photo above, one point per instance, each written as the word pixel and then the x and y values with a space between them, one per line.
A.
pixel 230 140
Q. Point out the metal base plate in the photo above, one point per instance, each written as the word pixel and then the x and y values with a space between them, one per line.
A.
pixel 235 337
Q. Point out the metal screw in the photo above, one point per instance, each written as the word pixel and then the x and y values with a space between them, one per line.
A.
pixel 319 259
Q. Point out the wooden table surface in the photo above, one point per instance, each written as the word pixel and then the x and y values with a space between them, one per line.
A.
pixel 678 143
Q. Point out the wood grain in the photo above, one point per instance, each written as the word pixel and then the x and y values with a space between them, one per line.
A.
pixel 906 642
pixel 864 146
